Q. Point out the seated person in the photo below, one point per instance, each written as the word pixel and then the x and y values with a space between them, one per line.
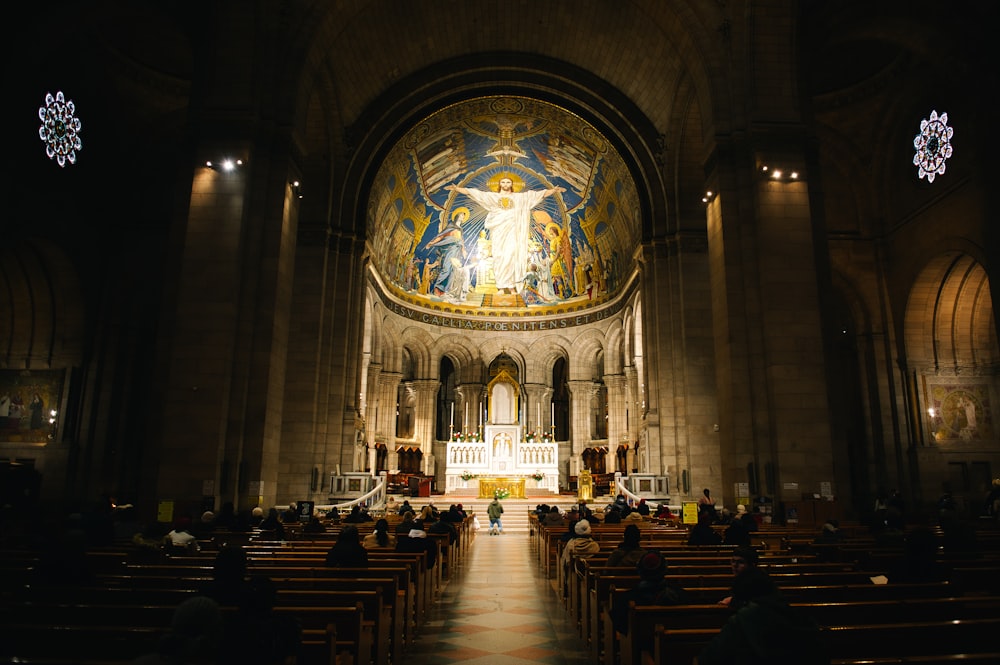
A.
pixel 417 541
pixel 629 551
pixel 180 538
pixel 406 525
pixel 380 537
pixel 765 629
pixel 745 518
pixel 347 552
pixel 702 533
pixel 653 588
pixel 553 517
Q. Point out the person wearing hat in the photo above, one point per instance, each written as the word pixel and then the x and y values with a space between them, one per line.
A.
pixel 581 545
pixel 748 521
pixel 653 588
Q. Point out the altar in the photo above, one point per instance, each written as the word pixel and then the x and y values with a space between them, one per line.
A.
pixel 502 455
pixel 501 451
pixel 512 487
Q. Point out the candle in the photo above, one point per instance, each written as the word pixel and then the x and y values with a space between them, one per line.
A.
pixel 452 414
pixel 552 419
pixel 538 415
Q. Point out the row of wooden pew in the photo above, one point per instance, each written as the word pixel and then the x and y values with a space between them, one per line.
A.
pixel 362 616
pixel 934 623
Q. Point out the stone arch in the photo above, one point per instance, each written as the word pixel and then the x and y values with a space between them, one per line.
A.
pixel 415 341
pixel 585 348
pixel 463 354
pixel 949 324
pixel 544 353
pixel 44 307
pixel 615 344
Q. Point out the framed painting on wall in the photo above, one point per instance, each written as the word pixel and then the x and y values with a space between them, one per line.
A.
pixel 959 409
pixel 27 401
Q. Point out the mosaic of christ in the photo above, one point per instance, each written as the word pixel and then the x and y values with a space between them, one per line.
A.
pixel 503 203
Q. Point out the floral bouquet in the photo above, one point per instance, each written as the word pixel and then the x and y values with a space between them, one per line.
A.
pixel 467 475
pixel 538 475
pixel 502 493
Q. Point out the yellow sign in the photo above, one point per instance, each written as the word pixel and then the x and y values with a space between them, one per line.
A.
pixel 165 511
pixel 689 512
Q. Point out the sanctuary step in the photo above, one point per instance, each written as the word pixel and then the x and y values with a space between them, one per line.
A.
pixel 515 511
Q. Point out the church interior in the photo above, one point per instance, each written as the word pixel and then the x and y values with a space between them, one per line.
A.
pixel 249 247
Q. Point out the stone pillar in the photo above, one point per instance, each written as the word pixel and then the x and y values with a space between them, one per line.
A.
pixel 617 429
pixel 770 370
pixel 424 411
pixel 468 407
pixel 374 393
pixel 538 397
pixel 385 426
pixel 633 412
pixel 580 392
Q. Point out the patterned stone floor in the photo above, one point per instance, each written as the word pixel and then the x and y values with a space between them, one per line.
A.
pixel 498 610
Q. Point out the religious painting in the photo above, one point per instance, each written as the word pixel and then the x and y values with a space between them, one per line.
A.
pixel 27 400
pixel 503 203
pixel 959 409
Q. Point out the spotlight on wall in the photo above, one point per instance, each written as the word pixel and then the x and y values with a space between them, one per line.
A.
pixel 297 189
pixel 226 165
pixel 780 174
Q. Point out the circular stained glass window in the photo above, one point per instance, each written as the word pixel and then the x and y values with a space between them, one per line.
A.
pixel 933 145
pixel 60 128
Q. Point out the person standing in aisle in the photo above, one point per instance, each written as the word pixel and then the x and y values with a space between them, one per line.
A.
pixel 494 511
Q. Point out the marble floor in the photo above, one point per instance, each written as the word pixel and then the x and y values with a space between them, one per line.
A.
pixel 498 609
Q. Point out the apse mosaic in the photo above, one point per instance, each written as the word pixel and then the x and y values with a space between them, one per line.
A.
pixel 503 203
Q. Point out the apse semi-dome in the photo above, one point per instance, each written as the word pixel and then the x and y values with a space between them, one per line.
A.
pixel 503 205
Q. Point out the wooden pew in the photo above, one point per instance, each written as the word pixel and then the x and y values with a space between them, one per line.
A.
pixel 645 620
pixel 56 632
pixel 367 641
pixel 609 647
pixel 926 642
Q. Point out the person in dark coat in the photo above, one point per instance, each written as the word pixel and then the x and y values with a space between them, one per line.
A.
pixel 653 588
pixel 348 552
pixel 702 533
pixel 765 630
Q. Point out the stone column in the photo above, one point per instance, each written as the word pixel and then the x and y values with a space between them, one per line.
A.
pixel 538 397
pixel 617 429
pixel 580 392
pixel 372 404
pixel 468 414
pixel 424 410
pixel 385 426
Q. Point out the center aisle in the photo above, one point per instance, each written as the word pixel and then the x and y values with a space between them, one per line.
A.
pixel 498 609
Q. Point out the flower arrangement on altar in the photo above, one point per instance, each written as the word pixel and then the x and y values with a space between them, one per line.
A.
pixel 467 475
pixel 502 493
pixel 538 475
pixel 467 437
pixel 531 437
